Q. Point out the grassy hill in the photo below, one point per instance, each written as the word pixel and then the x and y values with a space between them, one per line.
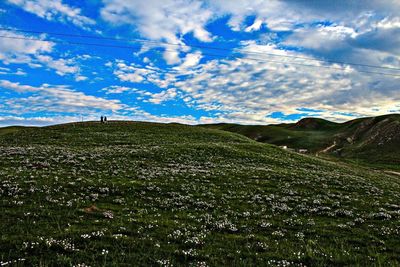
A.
pixel 128 193
pixel 12 129
pixel 374 140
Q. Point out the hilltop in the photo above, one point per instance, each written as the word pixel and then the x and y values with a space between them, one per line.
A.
pixel 314 124
pixel 374 140
pixel 168 194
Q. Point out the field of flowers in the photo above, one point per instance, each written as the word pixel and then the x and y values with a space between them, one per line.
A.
pixel 123 194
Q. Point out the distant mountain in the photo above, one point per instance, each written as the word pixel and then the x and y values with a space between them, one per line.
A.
pixel 372 140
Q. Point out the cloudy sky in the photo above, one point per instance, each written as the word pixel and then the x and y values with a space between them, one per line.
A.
pixel 245 61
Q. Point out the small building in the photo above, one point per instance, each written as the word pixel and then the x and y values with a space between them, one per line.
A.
pixel 284 147
pixel 303 150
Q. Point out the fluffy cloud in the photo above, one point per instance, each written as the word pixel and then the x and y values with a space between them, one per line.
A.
pixel 39 120
pixel 166 21
pixel 160 20
pixel 373 24
pixel 376 44
pixel 274 14
pixel 322 38
pixel 18 49
pixel 116 89
pixel 54 10
pixel 130 73
pixel 61 66
pixel 191 60
pixel 58 98
pixel 8 71
pixel 134 73
pixel 171 18
pixel 163 96
pixel 383 35
pixel 249 90
pixel 21 50
pixel 284 15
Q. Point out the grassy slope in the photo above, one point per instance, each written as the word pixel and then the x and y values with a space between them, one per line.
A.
pixel 186 195
pixel 377 140
pixel 316 134
pixel 12 129
pixel 281 134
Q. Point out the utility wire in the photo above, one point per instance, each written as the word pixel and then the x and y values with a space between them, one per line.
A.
pixel 207 54
pixel 197 46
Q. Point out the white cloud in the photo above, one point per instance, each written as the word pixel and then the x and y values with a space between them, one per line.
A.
pixel 373 45
pixel 130 73
pixel 191 60
pixel 322 38
pixel 4 70
pixel 163 96
pixel 255 26
pixel 276 15
pixel 382 35
pixel 54 98
pixel 141 74
pixel 160 20
pixel 247 90
pixel 36 54
pixel 165 21
pixel 172 57
pixel 54 10
pixel 40 120
pixel 244 90
pixel 284 15
pixel 61 66
pixel 19 49
pixel 8 71
pixel 116 89
pixel 374 23
pixel 241 118
pixel 80 78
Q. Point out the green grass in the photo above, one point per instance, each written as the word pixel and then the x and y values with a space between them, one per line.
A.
pixel 374 141
pixel 313 140
pixel 12 129
pixel 122 194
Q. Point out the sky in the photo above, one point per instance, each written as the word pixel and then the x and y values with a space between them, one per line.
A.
pixel 193 62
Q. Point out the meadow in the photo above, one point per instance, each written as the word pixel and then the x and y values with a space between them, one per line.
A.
pixel 130 193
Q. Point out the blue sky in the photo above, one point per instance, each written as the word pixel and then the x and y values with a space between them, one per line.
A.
pixel 249 62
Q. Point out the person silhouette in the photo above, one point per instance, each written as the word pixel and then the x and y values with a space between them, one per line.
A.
pixel 101 119
pixel 105 119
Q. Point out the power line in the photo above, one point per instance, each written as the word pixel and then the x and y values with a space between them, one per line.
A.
pixel 197 46
pixel 207 54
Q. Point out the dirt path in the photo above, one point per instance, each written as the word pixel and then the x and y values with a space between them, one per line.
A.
pixel 393 172
pixel 328 148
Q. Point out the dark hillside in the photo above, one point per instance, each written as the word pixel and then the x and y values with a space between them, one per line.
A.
pixel 314 124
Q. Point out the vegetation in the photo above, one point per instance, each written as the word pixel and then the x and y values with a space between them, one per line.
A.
pixel 370 141
pixel 123 193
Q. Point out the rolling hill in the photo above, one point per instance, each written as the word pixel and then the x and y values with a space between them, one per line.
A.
pixel 374 140
pixel 91 194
